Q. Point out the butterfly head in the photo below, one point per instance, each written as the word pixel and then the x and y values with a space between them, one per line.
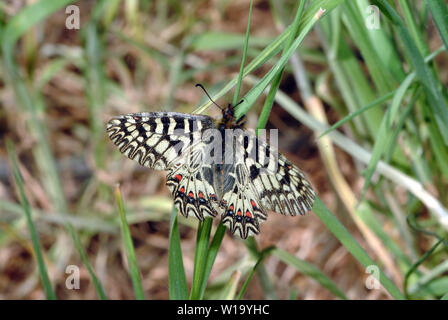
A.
pixel 229 120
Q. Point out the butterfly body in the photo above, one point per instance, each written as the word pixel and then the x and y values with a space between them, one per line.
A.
pixel 211 169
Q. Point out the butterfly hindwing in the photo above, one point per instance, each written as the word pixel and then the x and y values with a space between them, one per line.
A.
pixel 192 186
pixel 242 212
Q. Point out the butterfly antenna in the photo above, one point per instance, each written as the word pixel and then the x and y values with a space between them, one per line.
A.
pixel 202 87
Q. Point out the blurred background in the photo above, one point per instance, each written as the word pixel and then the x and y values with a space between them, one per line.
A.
pixel 60 84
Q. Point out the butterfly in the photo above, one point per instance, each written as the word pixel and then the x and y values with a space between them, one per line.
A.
pixel 211 170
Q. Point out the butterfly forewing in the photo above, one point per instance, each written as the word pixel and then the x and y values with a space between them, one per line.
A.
pixel 156 139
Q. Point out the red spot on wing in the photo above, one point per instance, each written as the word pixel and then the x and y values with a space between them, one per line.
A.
pixel 248 214
pixel 239 212
pixel 178 177
pixel 182 190
pixel 252 202
pixel 201 195
pixel 190 194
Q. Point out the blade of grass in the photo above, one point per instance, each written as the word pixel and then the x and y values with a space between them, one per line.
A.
pixel 436 101
pixel 177 282
pixel 439 12
pixel 129 247
pixel 347 240
pixel 200 257
pixel 263 277
pixel 431 275
pixel 16 27
pixel 263 254
pixel 27 100
pixel 355 24
pixel 378 101
pixel 384 134
pixel 350 116
pixel 28 17
pixel 272 49
pixel 309 270
pixel 258 89
pixel 50 294
pixel 263 119
pixel 229 290
pixel 417 264
pixel 243 60
pixel 211 256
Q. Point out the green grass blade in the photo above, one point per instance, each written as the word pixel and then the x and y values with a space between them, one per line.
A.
pixel 211 255
pixel 25 98
pixel 433 274
pixel 177 282
pixel 436 101
pixel 129 247
pixel 28 17
pixel 378 101
pixel 350 116
pixel 347 240
pixel 217 40
pixel 365 212
pixel 200 257
pixel 27 101
pixel 243 60
pixel 276 81
pixel 384 136
pixel 258 89
pixel 263 254
pixel 309 270
pixel 229 290
pixel 263 276
pixel 355 24
pixel 273 48
pixel 85 259
pixel 50 294
pixel 417 264
pixel 439 12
